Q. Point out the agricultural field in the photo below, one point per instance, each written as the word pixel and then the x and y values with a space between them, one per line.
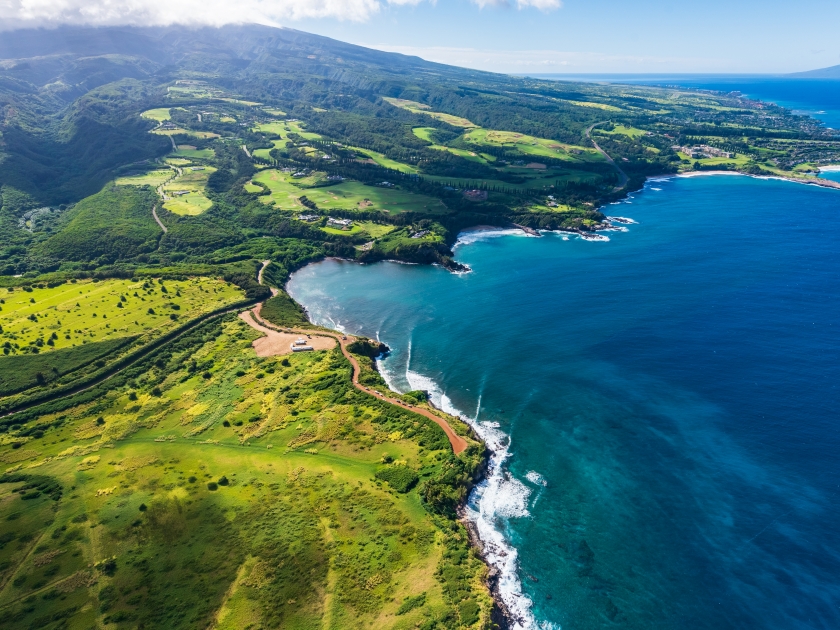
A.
pixel 189 151
pixel 531 146
pixel 194 202
pixel 47 319
pixel 621 130
pixel 348 195
pixel 216 488
pixel 420 108
pixel 160 114
pixel 151 178
pixel 187 132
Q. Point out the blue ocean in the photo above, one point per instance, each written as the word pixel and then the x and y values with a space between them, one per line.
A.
pixel 665 406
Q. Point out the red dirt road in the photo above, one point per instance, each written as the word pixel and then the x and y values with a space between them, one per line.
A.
pixel 459 444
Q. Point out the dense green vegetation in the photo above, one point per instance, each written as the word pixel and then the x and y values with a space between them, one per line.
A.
pixel 153 470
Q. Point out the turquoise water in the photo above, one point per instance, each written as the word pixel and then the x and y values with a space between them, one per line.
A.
pixel 675 389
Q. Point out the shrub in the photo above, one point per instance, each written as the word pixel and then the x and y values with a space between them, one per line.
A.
pixel 410 603
pixel 400 478
pixel 212 486
pixel 223 481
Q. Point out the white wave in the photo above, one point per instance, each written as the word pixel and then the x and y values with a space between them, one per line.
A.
pixel 622 220
pixel 535 478
pixel 499 496
pixel 656 189
pixel 594 237
pixel 473 236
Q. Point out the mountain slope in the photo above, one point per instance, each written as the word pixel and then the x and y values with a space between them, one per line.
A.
pixel 832 72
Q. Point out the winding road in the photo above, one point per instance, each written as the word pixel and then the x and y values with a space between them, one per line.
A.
pixel 622 176
pixel 154 214
pixel 459 444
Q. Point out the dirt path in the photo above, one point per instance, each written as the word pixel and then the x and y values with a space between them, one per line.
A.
pixel 244 148
pixel 154 214
pixel 459 444
pixel 623 179
pixel 275 343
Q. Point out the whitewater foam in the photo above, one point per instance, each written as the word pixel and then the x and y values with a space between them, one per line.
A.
pixel 498 497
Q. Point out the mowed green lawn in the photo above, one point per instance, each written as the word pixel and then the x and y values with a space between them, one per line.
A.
pixel 160 114
pixel 420 108
pixel 87 311
pixel 194 202
pixel 348 195
pixel 374 230
pixel 189 151
pixel 531 146
pixel 622 130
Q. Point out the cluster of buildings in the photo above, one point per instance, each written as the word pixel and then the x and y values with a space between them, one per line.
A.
pixel 703 150
pixel 339 224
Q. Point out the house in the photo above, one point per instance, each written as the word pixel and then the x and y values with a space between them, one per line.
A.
pixel 342 224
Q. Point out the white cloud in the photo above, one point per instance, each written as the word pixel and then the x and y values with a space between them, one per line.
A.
pixel 19 13
pixel 542 5
pixel 22 13
pixel 556 61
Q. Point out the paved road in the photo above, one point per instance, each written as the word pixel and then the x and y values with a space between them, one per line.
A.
pixel 244 148
pixel 154 214
pixel 622 176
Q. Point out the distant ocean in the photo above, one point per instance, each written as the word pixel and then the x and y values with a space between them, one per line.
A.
pixel 819 98
pixel 671 397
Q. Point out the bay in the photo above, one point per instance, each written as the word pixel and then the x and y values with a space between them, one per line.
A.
pixel 675 389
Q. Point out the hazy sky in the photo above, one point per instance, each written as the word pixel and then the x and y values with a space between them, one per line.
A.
pixel 515 35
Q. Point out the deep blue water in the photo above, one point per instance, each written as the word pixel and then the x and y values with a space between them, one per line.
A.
pixel 677 388
pixel 819 98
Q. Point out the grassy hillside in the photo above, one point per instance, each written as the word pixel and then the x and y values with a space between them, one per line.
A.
pixel 114 224
pixel 155 472
pixel 218 489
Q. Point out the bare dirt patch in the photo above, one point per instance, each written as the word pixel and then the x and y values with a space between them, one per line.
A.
pixel 276 343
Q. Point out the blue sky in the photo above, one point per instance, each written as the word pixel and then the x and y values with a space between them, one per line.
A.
pixel 517 36
pixel 605 35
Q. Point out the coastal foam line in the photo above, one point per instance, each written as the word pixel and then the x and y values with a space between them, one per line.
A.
pixel 499 496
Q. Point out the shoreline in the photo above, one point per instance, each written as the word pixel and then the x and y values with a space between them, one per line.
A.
pixel 512 607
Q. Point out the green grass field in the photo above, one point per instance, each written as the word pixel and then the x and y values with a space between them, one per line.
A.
pixel 424 133
pixel 189 151
pixel 347 195
pixel 622 130
pixel 530 146
pixel 218 489
pixel 385 161
pixel 420 108
pixel 194 202
pixel 84 312
pixel 160 114
pixel 188 132
pixel 152 178
pixel 282 129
